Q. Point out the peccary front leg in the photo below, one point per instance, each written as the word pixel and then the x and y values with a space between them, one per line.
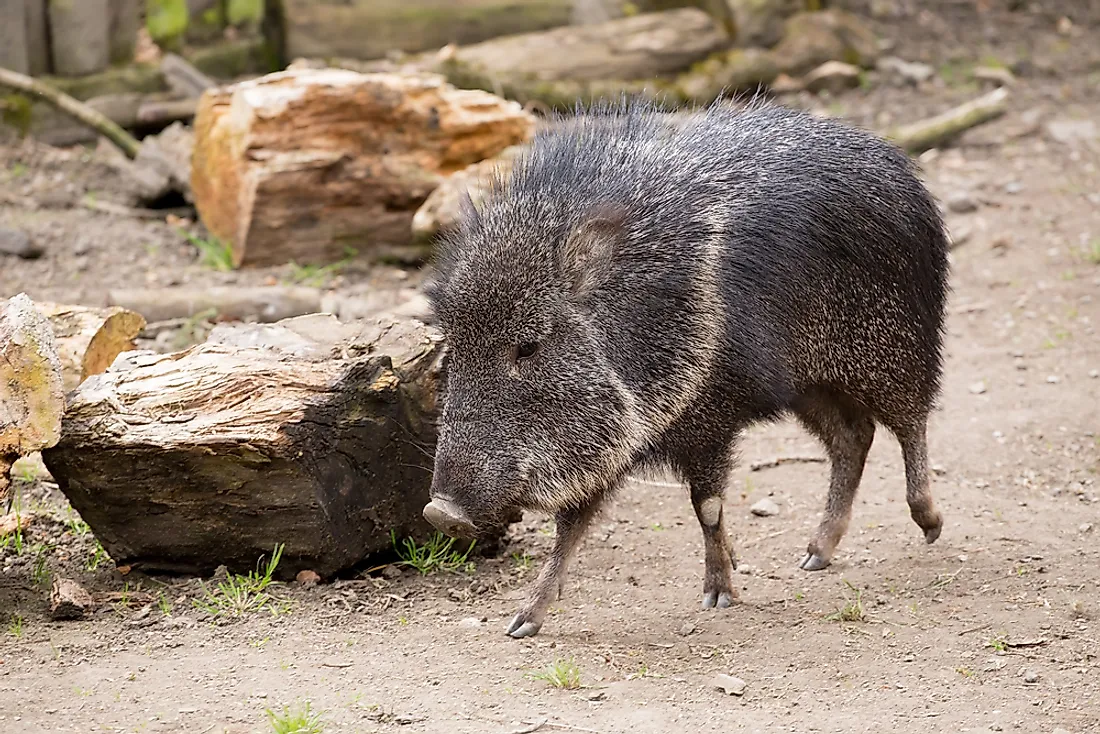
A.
pixel 571 526
pixel 708 489
pixel 846 431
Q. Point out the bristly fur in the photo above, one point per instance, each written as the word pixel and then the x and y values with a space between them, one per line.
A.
pixel 758 262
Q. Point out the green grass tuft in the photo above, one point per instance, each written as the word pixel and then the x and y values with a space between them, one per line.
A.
pixel 296 721
pixel 239 595
pixel 437 554
pixel 560 674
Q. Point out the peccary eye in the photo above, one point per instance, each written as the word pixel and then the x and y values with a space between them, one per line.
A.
pixel 526 350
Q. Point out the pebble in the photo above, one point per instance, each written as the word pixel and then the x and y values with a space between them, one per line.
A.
pixel 307 578
pixel 1084 527
pixel 1053 379
pixel 470 622
pixel 1013 187
pixel 977 388
pixel 1094 374
pixel 1030 676
pixel 687 629
pixel 392 571
pixel 18 243
pixel 996 74
pixel 731 684
pixel 961 203
pixel 764 508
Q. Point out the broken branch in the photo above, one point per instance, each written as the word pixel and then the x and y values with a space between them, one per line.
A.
pixel 919 136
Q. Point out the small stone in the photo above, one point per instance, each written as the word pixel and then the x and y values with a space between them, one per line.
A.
pixel 1094 374
pixel 1030 676
pixel 960 235
pixel 731 684
pixel 392 571
pixel 307 578
pixel 833 77
pixel 1053 379
pixel 977 388
pixel 995 74
pixel 909 72
pixel 764 508
pixel 470 623
pixel 1013 187
pixel 961 202
pixel 687 629
pixel 1073 132
pixel 1085 527
pixel 18 243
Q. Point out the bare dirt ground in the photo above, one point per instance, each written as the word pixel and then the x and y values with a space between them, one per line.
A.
pixel 996 627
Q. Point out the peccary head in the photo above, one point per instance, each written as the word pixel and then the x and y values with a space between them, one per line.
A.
pixel 572 328
pixel 534 414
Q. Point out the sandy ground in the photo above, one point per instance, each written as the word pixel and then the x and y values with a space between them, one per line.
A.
pixel 996 627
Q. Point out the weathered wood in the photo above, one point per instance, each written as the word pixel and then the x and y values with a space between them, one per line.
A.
pixel 309 432
pixel 303 164
pixel 79 33
pixel 123 30
pixel 369 29
pixel 68 600
pixel 89 339
pixel 260 303
pixel 145 112
pixel 37 38
pixel 79 111
pixel 183 78
pixel 924 134
pixel 32 398
pixel 13 36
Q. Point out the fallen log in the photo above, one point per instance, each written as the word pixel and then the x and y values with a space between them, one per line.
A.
pixel 919 136
pixel 263 304
pixel 300 165
pixel 309 432
pixel 369 29
pixel 89 339
pixel 32 398
pixel 130 111
pixel 72 107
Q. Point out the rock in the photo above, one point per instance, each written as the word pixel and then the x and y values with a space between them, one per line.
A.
pixel 996 74
pixel 961 202
pixel 302 164
pixel 1094 374
pixel 765 507
pixel 731 684
pixel 18 243
pixel 760 22
pixel 960 235
pixel 908 72
pixel 392 571
pixel 168 154
pixel 68 600
pixel 977 388
pixel 1030 676
pixel 686 629
pixel 307 578
pixel 1073 132
pixel 470 623
pixel 440 211
pixel 833 77
pixel 728 72
pixel 811 39
pixel 786 84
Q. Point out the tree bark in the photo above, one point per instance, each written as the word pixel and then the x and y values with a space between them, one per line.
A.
pixel 308 432
pixel 68 600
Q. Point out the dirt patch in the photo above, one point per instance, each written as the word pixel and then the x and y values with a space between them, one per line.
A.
pixel 993 628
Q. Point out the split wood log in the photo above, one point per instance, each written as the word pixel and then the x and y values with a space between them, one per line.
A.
pixel 309 432
pixel 264 304
pixel 919 136
pixel 369 29
pixel 89 339
pixel 79 36
pixel 302 164
pixel 68 600
pixel 32 398
pixel 70 106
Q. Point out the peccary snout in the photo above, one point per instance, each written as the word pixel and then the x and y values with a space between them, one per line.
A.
pixel 448 518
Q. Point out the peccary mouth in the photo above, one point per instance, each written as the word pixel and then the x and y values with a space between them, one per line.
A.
pixel 448 518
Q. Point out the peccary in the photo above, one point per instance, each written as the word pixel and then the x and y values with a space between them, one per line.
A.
pixel 641 288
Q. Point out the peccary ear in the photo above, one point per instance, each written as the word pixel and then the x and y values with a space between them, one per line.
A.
pixel 589 250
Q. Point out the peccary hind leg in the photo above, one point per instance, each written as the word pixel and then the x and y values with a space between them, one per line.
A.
pixel 847 431
pixel 571 526
pixel 914 449
pixel 707 492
